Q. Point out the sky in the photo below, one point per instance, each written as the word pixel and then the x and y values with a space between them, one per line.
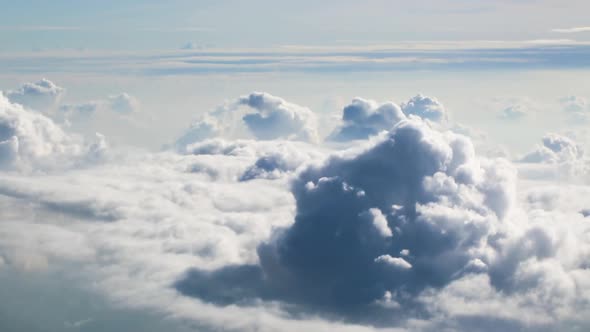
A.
pixel 285 166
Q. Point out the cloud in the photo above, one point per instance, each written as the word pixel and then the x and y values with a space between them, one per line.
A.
pixel 263 159
pixel 273 118
pixel 408 230
pixel 554 148
pixel 31 141
pixel 277 118
pixel 438 201
pixel 425 107
pixel 578 108
pixel 572 30
pixel 396 262
pixel 513 112
pixel 122 104
pixel 42 95
pixel 557 158
pixel 364 118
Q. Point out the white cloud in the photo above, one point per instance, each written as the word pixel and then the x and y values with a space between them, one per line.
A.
pixel 425 107
pixel 122 104
pixel 572 30
pixel 364 118
pixel 555 148
pixel 559 158
pixel 410 230
pixel 31 141
pixel 42 95
pixel 514 112
pixel 396 262
pixel 379 221
pixel 577 108
pixel 272 118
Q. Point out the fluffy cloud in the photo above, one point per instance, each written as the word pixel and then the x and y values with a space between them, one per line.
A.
pixel 272 118
pixel 576 107
pixel 122 104
pixel 554 148
pixel 364 118
pixel 31 141
pixel 558 158
pixel 425 107
pixel 513 112
pixel 415 193
pixel 42 95
pixel 409 230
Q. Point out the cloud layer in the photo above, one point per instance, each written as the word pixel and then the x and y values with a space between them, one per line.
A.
pixel 407 230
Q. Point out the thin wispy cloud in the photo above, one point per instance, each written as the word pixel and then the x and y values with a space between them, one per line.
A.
pixel 572 30
pixel 179 29
pixel 39 28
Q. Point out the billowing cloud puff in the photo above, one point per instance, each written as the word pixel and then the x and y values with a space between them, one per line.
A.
pixel 554 148
pixel 122 103
pixel 277 118
pixel 42 95
pixel 30 140
pixel 262 159
pixel 513 112
pixel 273 118
pixel 364 118
pixel 559 157
pixel 409 230
pixel 425 107
pixel 414 210
pixel 578 108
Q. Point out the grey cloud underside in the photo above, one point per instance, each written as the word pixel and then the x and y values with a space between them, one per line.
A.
pixel 444 207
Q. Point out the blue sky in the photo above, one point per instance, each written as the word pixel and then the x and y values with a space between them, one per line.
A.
pixel 141 25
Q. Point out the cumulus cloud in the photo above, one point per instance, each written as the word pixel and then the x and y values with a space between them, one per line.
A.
pixel 42 95
pixel 266 117
pixel 577 108
pixel 425 107
pixel 122 104
pixel 513 112
pixel 554 148
pixel 431 206
pixel 558 157
pixel 31 141
pixel 409 230
pixel 364 118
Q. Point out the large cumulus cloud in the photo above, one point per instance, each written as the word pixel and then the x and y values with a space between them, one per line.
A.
pixel 414 210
